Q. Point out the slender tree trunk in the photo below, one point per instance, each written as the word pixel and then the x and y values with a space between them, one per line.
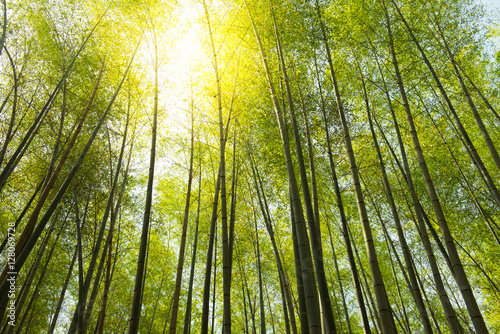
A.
pixel 80 307
pixel 312 218
pixel 187 316
pixel 375 316
pixel 255 242
pixel 339 279
pixel 384 309
pixel 472 106
pixel 180 262
pixel 390 243
pixel 304 321
pixel 343 218
pixel 208 265
pixel 417 296
pixel 19 152
pixel 267 219
pixel 20 260
pixel 270 310
pixel 135 311
pixel 307 270
pixel 244 305
pixel 252 311
pixel 215 286
pixel 55 316
pixel 30 225
pixel 458 270
pixel 4 26
pixel 431 311
pixel 232 206
pixel 8 135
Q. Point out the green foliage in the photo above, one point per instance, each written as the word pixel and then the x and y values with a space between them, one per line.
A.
pixel 42 38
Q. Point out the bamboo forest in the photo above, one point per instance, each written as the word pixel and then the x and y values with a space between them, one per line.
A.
pixel 249 166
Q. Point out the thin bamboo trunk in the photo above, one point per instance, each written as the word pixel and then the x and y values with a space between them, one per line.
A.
pixel 212 330
pixel 187 315
pixel 458 270
pixel 470 102
pixel 311 213
pixel 269 226
pixel 20 260
pixel 416 294
pixel 4 26
pixel 57 310
pixel 343 218
pixel 383 307
pixel 339 279
pixel 306 267
pixel 180 261
pixel 8 134
pixel 375 317
pixel 208 264
pixel 226 271
pixel 30 225
pixel 19 152
pixel 259 273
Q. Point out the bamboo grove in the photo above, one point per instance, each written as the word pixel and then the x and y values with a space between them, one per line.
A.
pixel 249 166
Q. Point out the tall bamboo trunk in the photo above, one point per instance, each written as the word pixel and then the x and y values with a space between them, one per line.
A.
pixel 9 134
pixel 416 294
pixel 259 275
pixel 306 267
pixel 470 102
pixel 343 218
pixel 285 287
pixel 19 152
pixel 458 270
pixel 312 218
pixel 21 259
pixel 208 264
pixel 383 306
pixel 187 315
pixel 57 310
pixel 180 261
pixel 341 288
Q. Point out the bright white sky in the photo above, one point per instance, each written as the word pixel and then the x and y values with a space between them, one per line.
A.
pixel 492 4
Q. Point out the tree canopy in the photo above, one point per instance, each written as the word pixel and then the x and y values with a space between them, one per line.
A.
pixel 244 166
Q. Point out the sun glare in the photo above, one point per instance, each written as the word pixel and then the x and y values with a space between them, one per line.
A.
pixel 181 58
pixel 184 50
